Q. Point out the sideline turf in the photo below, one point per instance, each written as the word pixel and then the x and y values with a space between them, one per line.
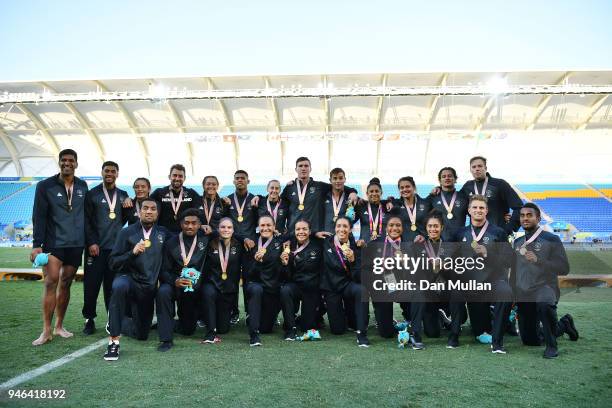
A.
pixel 334 372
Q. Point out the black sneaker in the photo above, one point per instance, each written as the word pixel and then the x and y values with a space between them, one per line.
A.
pixel 211 338
pixel 498 349
pixel 165 346
pixel 112 352
pixel 235 319
pixel 255 340
pixel 550 352
pixel 570 328
pixel 90 327
pixel 291 334
pixel 453 342
pixel 362 340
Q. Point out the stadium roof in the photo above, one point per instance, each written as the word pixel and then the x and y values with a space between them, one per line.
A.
pixel 107 118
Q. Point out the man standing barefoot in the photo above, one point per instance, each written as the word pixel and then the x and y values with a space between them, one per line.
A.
pixel 59 230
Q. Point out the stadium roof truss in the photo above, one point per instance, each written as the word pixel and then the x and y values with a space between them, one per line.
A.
pixel 100 117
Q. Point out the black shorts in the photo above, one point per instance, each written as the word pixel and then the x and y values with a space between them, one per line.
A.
pixel 69 256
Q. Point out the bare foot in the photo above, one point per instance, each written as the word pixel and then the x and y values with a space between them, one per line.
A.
pixel 42 339
pixel 60 331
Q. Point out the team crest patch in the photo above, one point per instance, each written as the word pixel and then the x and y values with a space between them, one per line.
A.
pixel 160 238
pixel 485 240
pixel 200 245
pixel 311 189
pixel 233 251
pixel 537 246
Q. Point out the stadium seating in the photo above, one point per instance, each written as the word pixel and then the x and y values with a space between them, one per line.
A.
pixel 584 207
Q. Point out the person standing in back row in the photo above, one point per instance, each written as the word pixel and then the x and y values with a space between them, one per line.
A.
pixel 175 198
pixel 58 218
pixel 105 216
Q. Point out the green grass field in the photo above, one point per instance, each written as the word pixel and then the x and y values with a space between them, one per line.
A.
pixel 333 372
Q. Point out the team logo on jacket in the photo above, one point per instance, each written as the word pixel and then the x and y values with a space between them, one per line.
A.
pixel 457 204
pixel 489 194
pixel 233 251
pixel 313 254
pixel 160 238
pixel 200 245
pixel 276 245
pixel 422 207
pixel 311 189
pixel 537 246
pixel 79 193
pixel 486 240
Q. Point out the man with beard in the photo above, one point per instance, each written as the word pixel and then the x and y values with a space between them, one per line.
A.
pixel 58 218
pixel 175 198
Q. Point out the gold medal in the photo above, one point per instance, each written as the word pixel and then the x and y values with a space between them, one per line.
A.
pixel 263 251
pixel 474 244
pixel 287 250
pixel 240 218
pixel 334 219
pixel 224 276
pixel 301 207
pixel 175 217
pixel 112 215
pixel 449 216
pixel 413 227
pixel 374 236
pixel 345 247
pixel 398 253
pixel 523 251
pixel 147 243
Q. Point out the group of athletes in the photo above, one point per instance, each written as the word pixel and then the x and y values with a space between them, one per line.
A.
pixel 294 252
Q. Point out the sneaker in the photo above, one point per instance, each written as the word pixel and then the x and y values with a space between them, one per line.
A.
pixel 291 334
pixel 550 352
pixel 497 349
pixel 570 328
pixel 90 327
pixel 255 340
pixel 211 338
pixel 453 342
pixel 165 346
pixel 417 345
pixel 112 352
pixel 485 338
pixel 362 340
pixel 235 319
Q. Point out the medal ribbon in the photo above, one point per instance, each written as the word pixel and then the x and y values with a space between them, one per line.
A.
pixel 412 213
pixel 146 234
pixel 430 250
pixel 260 243
pixel 187 257
pixel 240 209
pixel 208 213
pixel 301 247
pixel 484 187
pixel 482 231
pixel 111 204
pixel 339 252
pixel 176 205
pixel 301 192
pixel 337 205
pixel 224 260
pixel 273 213
pixel 449 207
pixel 533 237
pixel 376 223
pixel 396 244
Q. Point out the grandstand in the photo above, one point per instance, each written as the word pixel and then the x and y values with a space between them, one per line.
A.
pixel 570 208
pixel 386 125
